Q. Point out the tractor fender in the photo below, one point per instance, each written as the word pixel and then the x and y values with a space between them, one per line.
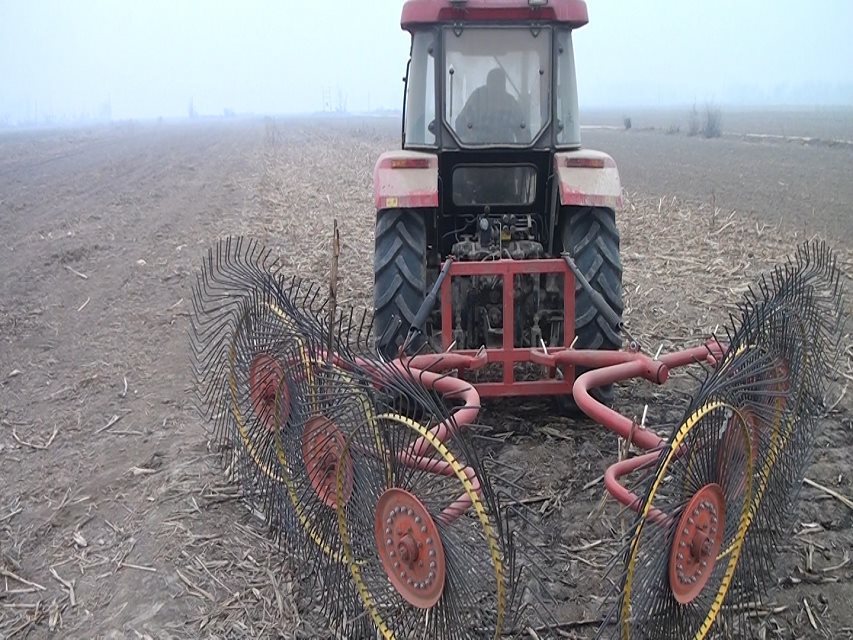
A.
pixel 588 178
pixel 405 179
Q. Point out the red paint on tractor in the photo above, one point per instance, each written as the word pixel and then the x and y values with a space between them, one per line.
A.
pixel 569 196
pixel 422 12
pixel 407 201
pixel 588 178
pixel 405 180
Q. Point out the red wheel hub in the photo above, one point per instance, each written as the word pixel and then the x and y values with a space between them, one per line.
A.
pixel 265 381
pixel 410 548
pixel 783 386
pixel 697 543
pixel 322 446
pixel 732 440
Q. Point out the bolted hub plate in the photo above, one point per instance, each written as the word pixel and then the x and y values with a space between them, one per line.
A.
pixel 410 548
pixel 697 543
pixel 265 379
pixel 322 447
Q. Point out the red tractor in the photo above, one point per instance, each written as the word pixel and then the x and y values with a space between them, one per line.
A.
pixel 492 205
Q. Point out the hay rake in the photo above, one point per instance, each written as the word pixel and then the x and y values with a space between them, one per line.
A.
pixel 366 471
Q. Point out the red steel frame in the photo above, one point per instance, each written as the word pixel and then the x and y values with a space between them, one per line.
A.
pixel 608 367
pixel 605 367
pixel 508 354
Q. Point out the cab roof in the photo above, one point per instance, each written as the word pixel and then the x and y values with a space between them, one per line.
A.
pixel 425 12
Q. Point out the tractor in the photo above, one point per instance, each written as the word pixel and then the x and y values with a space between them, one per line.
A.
pixel 491 204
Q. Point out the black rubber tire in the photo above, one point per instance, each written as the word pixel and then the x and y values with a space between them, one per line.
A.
pixel 590 236
pixel 399 275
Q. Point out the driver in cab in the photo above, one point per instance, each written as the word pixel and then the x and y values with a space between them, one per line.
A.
pixel 491 114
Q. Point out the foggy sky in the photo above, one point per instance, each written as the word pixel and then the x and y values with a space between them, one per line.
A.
pixel 149 58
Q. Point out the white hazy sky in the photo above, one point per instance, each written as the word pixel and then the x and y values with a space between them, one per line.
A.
pixel 65 58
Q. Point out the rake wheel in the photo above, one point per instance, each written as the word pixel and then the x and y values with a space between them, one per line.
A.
pixel 698 503
pixel 794 318
pixel 292 411
pixel 420 542
pixel 259 409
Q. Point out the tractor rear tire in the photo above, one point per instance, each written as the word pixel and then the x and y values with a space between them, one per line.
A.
pixel 399 276
pixel 590 236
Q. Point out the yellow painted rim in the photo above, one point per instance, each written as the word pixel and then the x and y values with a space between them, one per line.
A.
pixel 735 547
pixel 497 563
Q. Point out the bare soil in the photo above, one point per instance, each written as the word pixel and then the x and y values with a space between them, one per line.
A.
pixel 807 188
pixel 117 521
pixel 826 123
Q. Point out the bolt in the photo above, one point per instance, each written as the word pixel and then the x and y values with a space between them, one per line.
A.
pixel 417 519
pixel 431 575
pixel 690 521
pixel 432 565
pixel 423 529
pixel 389 542
pixel 429 541
pixel 432 553
pixel 388 531
pixel 396 564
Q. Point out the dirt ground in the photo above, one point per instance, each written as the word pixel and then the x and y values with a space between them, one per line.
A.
pixel 116 520
pixel 825 123
pixel 807 188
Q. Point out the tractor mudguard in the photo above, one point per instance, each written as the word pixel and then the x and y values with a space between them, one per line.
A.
pixel 588 178
pixel 405 179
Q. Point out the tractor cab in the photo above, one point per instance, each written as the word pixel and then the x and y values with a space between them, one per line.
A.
pixel 491 75
pixel 491 87
pixel 492 173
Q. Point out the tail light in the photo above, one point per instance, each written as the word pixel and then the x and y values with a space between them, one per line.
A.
pixel 410 163
pixel 584 163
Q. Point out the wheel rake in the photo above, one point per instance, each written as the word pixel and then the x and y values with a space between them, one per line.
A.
pixel 720 499
pixel 329 442
pixel 276 405
pixel 365 470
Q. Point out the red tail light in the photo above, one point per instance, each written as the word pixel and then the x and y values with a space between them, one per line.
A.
pixel 410 163
pixel 585 163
